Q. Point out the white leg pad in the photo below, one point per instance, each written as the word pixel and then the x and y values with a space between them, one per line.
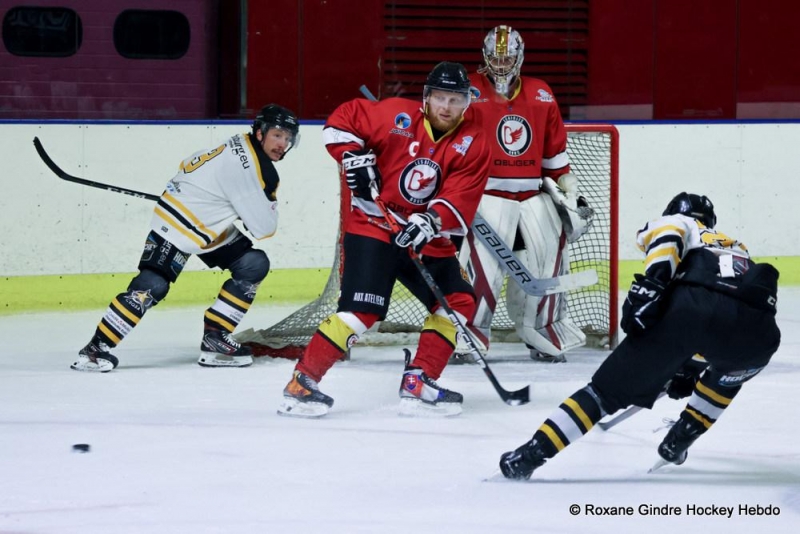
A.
pixel 543 322
pixel 484 271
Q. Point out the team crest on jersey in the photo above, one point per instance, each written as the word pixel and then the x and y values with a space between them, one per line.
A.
pixel 463 146
pixel 419 181
pixel 544 96
pixel 514 135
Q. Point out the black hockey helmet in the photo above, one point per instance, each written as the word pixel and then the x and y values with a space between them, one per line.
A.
pixel 448 76
pixel 695 206
pixel 275 116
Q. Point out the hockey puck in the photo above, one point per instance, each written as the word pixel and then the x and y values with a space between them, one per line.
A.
pixel 81 447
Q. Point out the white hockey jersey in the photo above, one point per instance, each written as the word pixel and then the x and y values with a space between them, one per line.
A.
pixel 213 189
pixel 668 239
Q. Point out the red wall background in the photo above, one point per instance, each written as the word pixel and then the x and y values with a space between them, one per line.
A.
pixel 604 59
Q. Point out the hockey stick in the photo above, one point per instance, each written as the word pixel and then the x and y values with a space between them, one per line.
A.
pixel 512 398
pixel 633 410
pixel 58 171
pixel 537 287
pixel 367 93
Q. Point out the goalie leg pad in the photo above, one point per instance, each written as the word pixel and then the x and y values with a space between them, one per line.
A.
pixel 483 270
pixel 543 322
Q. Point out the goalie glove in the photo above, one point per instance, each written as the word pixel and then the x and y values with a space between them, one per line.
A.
pixel 642 308
pixel 574 210
pixel 360 171
pixel 421 228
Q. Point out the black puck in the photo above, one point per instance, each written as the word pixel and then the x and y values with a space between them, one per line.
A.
pixel 81 447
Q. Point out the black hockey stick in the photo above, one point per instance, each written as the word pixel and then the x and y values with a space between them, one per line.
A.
pixel 58 171
pixel 512 398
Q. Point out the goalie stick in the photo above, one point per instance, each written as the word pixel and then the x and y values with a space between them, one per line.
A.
pixel 512 398
pixel 537 287
pixel 58 171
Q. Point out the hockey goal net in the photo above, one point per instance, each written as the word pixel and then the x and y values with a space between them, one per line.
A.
pixel 593 152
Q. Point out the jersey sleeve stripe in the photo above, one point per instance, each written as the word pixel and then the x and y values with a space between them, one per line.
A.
pixel 558 161
pixel 335 136
pixel 456 213
pixel 660 231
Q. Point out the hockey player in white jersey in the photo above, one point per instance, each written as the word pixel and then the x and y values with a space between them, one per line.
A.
pixel 195 215
pixel 700 294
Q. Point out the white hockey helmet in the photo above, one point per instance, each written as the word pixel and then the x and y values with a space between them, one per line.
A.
pixel 503 53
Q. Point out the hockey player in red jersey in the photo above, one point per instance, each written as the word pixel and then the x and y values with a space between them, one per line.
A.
pixel 528 145
pixel 430 165
pixel 196 215
pixel 700 294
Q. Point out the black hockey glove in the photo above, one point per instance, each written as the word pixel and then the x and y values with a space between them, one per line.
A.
pixel 360 171
pixel 642 308
pixel 682 384
pixel 421 228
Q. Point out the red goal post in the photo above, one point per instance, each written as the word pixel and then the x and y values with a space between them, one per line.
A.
pixel 594 157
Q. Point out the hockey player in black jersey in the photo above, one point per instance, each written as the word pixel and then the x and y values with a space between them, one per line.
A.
pixel 700 294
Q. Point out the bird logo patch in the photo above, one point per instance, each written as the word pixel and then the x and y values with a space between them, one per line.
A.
pixel 514 135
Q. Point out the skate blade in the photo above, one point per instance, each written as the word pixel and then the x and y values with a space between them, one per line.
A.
pixel 658 465
pixel 417 408
pixel 213 359
pixel 85 364
pixel 291 407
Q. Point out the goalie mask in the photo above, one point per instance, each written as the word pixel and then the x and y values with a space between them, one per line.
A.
pixel 503 53
pixel 695 206
pixel 275 116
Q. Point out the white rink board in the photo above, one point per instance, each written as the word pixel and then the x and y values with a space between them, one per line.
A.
pixel 56 227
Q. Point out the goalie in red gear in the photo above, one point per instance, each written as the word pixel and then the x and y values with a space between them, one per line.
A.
pixel 528 144
pixel 430 166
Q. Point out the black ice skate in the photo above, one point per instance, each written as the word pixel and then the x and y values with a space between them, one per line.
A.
pixel 95 357
pixel 421 395
pixel 219 349
pixel 674 449
pixel 520 463
pixel 302 398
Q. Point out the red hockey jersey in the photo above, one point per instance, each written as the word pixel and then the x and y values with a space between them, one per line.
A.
pixel 528 136
pixel 417 172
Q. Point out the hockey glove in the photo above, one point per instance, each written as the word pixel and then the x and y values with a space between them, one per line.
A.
pixel 360 171
pixel 421 228
pixel 682 384
pixel 642 308
pixel 573 209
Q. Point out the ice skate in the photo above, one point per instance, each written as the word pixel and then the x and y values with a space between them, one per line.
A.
pixel 674 449
pixel 520 463
pixel 538 356
pixel 219 349
pixel 95 358
pixel 420 395
pixel 302 398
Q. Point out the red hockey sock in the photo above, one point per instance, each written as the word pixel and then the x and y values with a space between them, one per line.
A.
pixel 432 353
pixel 319 356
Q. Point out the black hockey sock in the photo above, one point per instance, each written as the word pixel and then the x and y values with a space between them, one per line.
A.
pixel 122 315
pixel 232 303
pixel 572 419
pixel 709 399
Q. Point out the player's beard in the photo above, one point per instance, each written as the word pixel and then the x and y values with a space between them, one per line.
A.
pixel 443 125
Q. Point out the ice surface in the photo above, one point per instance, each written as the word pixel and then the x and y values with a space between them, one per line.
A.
pixel 176 448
